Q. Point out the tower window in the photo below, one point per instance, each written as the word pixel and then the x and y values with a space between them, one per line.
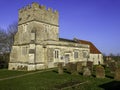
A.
pixel 32 36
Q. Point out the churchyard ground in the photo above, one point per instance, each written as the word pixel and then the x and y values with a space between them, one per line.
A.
pixel 50 80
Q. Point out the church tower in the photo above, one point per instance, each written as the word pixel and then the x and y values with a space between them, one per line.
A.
pixel 36 26
pixel 43 22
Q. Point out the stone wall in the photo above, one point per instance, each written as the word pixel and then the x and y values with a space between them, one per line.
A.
pixel 39 13
pixel 96 58
pixel 41 30
pixel 64 50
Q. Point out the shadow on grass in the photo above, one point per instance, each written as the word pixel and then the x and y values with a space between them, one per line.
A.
pixel 67 71
pixel 108 76
pixel 94 75
pixel 66 85
pixel 55 71
pixel 114 85
pixel 80 73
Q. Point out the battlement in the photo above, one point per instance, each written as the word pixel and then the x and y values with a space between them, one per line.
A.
pixel 39 13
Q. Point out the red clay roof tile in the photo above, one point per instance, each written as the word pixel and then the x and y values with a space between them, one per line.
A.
pixel 93 49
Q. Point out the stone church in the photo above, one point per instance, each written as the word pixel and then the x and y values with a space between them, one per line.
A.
pixel 37 44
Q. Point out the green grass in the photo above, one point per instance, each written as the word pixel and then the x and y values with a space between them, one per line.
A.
pixel 47 81
pixel 4 73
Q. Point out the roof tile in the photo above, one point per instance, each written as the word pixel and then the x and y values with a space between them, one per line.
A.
pixel 93 49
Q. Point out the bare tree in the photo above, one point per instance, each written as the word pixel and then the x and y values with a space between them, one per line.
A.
pixel 111 55
pixel 7 37
pixel 6 42
pixel 11 31
pixel 2 34
pixel 3 37
pixel 118 56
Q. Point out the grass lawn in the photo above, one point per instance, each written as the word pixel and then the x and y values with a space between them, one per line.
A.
pixel 4 73
pixel 47 81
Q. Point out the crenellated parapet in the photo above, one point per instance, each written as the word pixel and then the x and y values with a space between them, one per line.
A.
pixel 39 13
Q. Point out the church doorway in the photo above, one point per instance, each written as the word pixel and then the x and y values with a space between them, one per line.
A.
pixel 67 58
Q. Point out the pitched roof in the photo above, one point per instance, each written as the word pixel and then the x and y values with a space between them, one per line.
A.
pixel 67 40
pixel 93 48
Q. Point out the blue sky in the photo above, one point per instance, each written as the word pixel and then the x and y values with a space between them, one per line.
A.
pixel 97 21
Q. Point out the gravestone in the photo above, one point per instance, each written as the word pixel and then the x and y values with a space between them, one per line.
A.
pixel 112 66
pixel 79 67
pixel 60 68
pixel 90 65
pixel 100 72
pixel 117 74
pixel 74 69
pixel 68 67
pixel 86 71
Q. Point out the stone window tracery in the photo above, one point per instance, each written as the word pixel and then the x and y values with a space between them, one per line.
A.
pixel 56 54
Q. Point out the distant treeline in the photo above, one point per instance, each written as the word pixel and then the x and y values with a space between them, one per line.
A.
pixel 112 57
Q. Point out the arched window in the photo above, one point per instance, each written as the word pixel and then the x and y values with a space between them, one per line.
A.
pixel 56 53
